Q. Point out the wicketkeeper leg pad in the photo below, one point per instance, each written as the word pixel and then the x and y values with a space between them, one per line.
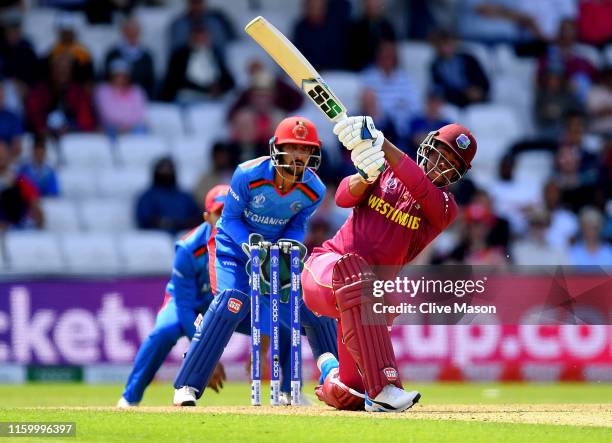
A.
pixel 228 309
pixel 321 332
pixel 364 332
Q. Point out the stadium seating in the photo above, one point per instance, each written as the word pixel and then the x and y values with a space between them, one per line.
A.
pixel 206 120
pixel 146 251
pixel 77 182
pixel 107 214
pixel 497 124
pixel 140 150
pixel 86 150
pixel 192 152
pixel 98 39
pixel 124 183
pixel 33 252
pixel 165 120
pixel 61 214
pixel 534 167
pixel 89 252
pixel 415 58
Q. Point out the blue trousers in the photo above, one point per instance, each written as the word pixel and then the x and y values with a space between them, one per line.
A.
pixel 171 324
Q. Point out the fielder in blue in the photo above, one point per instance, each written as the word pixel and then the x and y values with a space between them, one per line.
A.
pixel 188 293
pixel 273 197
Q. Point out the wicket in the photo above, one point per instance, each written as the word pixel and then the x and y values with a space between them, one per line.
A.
pixel 295 322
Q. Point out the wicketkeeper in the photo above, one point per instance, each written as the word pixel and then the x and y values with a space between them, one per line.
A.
pixel 270 198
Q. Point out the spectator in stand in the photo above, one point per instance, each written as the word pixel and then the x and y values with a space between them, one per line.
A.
pixel 286 97
pixel 19 201
pixel 68 45
pixel 121 105
pixel 60 104
pixel 245 138
pixel 132 50
pixel 563 222
pixel 554 99
pixel 164 206
pixel 11 125
pixel 577 174
pixel 488 21
pixel 476 247
pixel 196 71
pixel 591 250
pixel 18 61
pixel 512 198
pixel 366 33
pixel 535 249
pixel 458 75
pixel 221 171
pixel 593 22
pixel 320 33
pixel 260 100
pixel 599 104
pixel 395 93
pixel 431 119
pixel 197 15
pixel 543 18
pixel 39 171
pixel 575 132
pixel 563 56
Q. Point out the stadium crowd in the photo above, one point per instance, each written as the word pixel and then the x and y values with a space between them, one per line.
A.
pixel 155 122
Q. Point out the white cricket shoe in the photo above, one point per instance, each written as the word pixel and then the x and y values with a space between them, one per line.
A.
pixel 392 399
pixel 285 400
pixel 124 404
pixel 185 396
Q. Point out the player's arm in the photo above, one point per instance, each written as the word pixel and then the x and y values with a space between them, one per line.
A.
pixel 352 190
pixel 233 210
pixel 184 276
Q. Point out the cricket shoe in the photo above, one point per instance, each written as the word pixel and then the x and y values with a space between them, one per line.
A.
pixel 285 400
pixel 326 362
pixel 392 399
pixel 185 396
pixel 124 404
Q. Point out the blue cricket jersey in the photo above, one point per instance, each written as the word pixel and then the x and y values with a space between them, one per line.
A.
pixel 190 282
pixel 255 204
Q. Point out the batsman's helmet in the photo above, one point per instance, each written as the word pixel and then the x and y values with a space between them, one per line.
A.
pixel 456 138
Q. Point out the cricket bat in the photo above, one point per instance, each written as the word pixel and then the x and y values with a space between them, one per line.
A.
pixel 303 74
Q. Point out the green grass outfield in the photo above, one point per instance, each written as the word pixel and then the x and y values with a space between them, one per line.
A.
pixel 448 412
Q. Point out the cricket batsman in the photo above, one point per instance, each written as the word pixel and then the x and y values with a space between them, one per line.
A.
pixel 270 199
pixel 187 294
pixel 399 207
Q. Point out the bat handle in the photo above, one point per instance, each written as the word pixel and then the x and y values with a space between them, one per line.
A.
pixel 340 117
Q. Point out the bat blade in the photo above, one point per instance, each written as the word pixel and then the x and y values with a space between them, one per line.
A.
pixel 297 67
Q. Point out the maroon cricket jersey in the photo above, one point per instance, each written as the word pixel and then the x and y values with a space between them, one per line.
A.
pixel 394 221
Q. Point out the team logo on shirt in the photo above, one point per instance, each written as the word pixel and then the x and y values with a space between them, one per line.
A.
pixel 296 206
pixel 390 373
pixel 300 130
pixel 259 200
pixel 390 184
pixel 234 305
